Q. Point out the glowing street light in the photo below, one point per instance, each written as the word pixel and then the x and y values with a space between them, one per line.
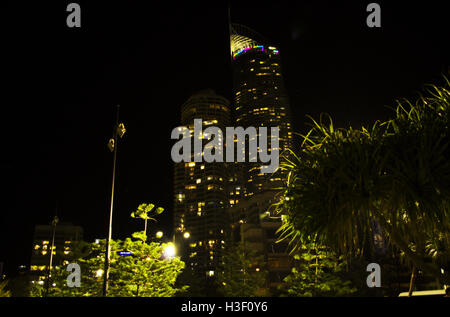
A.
pixel 159 234
pixel 99 273
pixel 186 235
pixel 169 251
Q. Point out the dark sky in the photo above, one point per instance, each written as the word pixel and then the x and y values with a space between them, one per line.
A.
pixel 61 87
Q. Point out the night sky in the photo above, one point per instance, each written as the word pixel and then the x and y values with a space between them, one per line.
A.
pixel 61 87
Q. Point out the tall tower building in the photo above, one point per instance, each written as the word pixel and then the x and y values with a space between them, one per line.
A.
pixel 200 194
pixel 260 98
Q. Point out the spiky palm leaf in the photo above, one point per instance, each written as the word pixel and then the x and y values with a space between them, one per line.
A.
pixel 397 172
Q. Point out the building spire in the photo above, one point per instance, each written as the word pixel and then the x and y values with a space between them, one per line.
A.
pixel 229 29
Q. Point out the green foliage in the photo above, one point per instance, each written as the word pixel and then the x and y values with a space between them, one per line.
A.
pixel 242 273
pixel 3 291
pixel 144 273
pixel 144 210
pixel 397 173
pixel 19 285
pixel 140 235
pixel 317 272
pixel 197 284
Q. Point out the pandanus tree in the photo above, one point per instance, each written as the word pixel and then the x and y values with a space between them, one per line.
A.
pixel 396 173
pixel 145 211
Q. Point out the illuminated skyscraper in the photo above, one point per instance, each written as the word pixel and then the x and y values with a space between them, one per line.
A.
pixel 200 194
pixel 260 98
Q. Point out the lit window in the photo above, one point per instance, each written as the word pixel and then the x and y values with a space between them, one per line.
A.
pixel 180 197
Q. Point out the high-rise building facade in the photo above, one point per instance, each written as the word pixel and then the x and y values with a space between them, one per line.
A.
pixel 65 235
pixel 213 201
pixel 260 99
pixel 200 190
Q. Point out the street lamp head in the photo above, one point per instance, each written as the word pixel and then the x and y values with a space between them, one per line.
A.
pixel 121 130
pixel 159 234
pixel 111 145
pixel 186 235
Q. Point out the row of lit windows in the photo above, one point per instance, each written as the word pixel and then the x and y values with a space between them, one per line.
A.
pixel 209 243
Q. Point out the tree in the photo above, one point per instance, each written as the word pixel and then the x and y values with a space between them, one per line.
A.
pixel 396 173
pixel 143 212
pixel 242 273
pixel 317 272
pixel 3 291
pixel 141 270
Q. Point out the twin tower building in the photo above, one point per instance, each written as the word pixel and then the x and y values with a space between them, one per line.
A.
pixel 221 203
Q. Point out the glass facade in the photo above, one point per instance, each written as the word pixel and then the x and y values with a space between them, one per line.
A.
pixel 200 190
pixel 260 99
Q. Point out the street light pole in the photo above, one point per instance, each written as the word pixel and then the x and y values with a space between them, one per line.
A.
pixel 49 271
pixel 119 130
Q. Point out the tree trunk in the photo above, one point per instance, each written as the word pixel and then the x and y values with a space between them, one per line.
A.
pixel 412 280
pixel 145 228
pixel 417 261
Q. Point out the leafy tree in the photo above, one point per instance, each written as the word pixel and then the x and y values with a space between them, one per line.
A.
pixel 19 285
pixel 242 273
pixel 197 284
pixel 317 272
pixel 3 291
pixel 144 272
pixel 144 211
pixel 397 173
